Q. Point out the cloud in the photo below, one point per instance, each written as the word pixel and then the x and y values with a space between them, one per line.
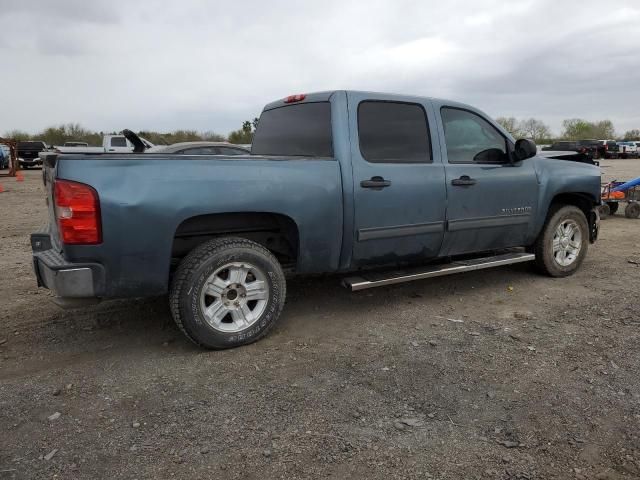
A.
pixel 110 64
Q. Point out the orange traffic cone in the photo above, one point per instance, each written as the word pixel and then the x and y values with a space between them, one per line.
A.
pixel 1 188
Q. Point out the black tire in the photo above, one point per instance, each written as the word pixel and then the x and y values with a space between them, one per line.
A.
pixel 543 248
pixel 604 210
pixel 613 207
pixel 190 279
pixel 632 210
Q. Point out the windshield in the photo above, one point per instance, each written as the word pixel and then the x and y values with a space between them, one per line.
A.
pixel 30 145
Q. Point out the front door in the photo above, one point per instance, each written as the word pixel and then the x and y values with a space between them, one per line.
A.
pixel 398 181
pixel 491 200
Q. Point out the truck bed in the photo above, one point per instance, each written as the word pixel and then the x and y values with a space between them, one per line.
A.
pixel 144 198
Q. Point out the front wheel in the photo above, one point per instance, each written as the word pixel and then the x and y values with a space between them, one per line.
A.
pixel 563 242
pixel 613 207
pixel 227 292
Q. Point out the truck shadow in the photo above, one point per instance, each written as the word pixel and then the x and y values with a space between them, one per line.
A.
pixel 317 307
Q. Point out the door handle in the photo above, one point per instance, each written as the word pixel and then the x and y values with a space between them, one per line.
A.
pixel 376 183
pixel 463 181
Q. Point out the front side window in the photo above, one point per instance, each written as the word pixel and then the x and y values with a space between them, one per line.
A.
pixel 302 129
pixel 471 139
pixel 118 142
pixel 393 132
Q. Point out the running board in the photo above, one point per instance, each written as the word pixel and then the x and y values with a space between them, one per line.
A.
pixel 379 279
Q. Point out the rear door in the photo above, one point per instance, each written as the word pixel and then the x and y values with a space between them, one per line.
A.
pixel 398 180
pixel 492 201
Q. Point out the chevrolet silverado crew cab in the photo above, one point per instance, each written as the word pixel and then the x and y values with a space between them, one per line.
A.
pixel 380 188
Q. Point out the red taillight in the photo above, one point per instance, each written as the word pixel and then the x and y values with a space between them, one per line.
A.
pixel 78 212
pixel 295 98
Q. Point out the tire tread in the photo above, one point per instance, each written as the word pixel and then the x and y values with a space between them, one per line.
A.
pixel 541 258
pixel 193 260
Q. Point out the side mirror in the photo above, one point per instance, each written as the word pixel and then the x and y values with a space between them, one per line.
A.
pixel 525 148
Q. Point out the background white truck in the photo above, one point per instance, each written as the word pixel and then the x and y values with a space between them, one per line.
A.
pixel 110 144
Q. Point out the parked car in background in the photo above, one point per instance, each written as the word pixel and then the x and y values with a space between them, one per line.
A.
pixel 337 182
pixel 610 148
pixel 578 150
pixel 201 148
pixel 562 146
pixel 110 144
pixel 5 156
pixel 591 147
pixel 627 149
pixel 28 153
pixel 75 144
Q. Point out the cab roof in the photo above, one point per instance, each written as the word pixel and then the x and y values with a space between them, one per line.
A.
pixel 325 96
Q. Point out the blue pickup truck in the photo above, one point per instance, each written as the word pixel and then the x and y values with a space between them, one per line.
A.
pixel 382 188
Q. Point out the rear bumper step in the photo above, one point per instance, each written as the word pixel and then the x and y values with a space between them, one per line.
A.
pixel 379 279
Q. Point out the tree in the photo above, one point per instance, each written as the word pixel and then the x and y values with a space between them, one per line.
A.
pixel 575 129
pixel 579 129
pixel 632 134
pixel 245 134
pixel 603 130
pixel 18 135
pixel 534 129
pixel 510 124
pixel 211 136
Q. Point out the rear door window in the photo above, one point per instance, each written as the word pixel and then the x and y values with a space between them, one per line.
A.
pixel 393 132
pixel 295 130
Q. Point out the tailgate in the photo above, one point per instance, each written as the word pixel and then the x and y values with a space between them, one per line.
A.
pixel 49 162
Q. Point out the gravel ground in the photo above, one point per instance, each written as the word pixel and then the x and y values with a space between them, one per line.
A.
pixel 500 374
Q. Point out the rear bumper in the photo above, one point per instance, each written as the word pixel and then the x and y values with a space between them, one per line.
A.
pixel 64 279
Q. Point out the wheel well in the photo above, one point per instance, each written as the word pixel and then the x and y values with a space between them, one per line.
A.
pixel 583 201
pixel 278 233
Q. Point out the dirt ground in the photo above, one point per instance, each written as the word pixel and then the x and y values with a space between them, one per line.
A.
pixel 499 374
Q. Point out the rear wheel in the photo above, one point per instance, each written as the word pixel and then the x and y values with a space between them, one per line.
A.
pixel 604 210
pixel 632 210
pixel 613 207
pixel 563 242
pixel 227 292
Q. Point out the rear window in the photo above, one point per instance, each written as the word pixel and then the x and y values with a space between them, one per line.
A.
pixel 118 142
pixel 296 130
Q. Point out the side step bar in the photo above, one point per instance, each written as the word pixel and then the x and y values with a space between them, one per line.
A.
pixel 379 279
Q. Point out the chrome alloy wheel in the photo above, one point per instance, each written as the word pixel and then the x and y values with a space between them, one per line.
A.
pixel 234 297
pixel 567 242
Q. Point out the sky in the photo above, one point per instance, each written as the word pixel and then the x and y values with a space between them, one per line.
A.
pixel 209 65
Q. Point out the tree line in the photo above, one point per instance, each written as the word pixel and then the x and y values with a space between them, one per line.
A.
pixel 572 129
pixel 74 132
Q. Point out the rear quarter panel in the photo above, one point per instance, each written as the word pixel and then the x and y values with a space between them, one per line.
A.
pixel 143 200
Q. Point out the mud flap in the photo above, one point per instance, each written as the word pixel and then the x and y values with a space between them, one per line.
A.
pixel 594 224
